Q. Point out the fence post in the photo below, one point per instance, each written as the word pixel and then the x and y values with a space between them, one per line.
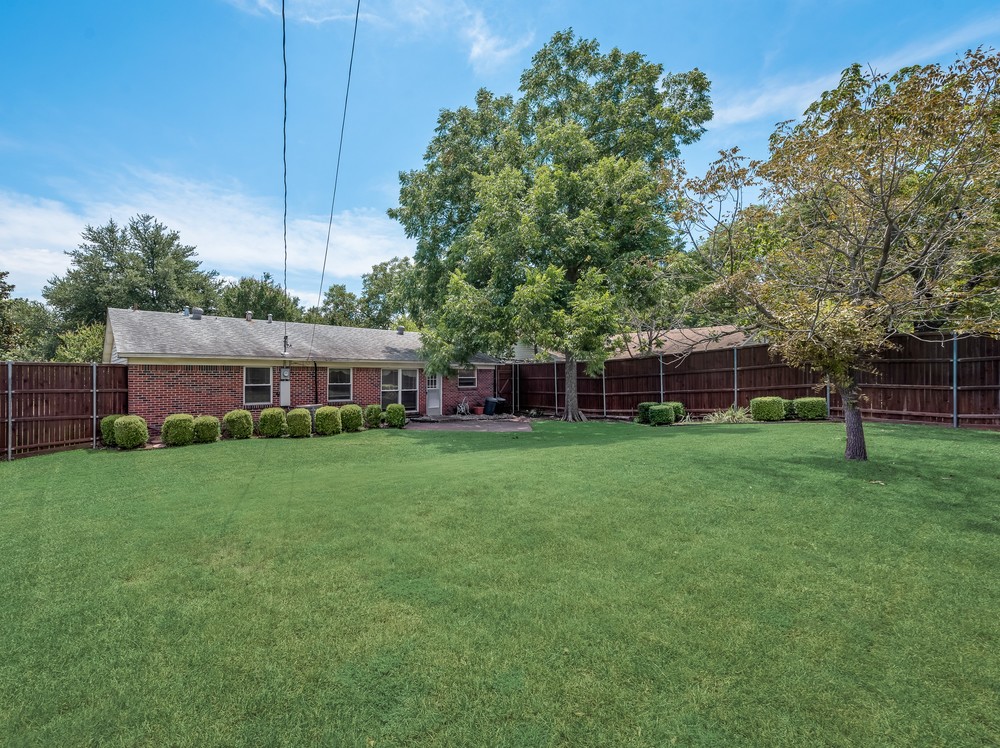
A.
pixel 604 392
pixel 828 398
pixel 93 404
pixel 10 411
pixel 661 377
pixel 555 379
pixel 954 380
pixel 736 378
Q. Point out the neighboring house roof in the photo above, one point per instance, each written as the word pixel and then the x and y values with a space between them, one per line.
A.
pixel 684 340
pixel 139 334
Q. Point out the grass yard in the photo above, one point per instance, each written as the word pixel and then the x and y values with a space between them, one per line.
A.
pixel 582 585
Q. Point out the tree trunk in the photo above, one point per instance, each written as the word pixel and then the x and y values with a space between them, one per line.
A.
pixel 856 449
pixel 572 410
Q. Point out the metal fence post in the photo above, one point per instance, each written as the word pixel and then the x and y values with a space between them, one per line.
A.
pixel 555 380
pixel 93 405
pixel 736 378
pixel 954 380
pixel 661 377
pixel 828 398
pixel 10 411
pixel 604 392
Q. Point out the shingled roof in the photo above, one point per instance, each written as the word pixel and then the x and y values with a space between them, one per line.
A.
pixel 141 334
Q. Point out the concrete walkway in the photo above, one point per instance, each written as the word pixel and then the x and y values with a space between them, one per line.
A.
pixel 472 424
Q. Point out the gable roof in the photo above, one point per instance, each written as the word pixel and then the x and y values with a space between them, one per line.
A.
pixel 141 334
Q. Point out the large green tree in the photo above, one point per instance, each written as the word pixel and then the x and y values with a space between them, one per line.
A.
pixel 388 296
pixel 880 218
pixel 528 212
pixel 262 296
pixel 340 307
pixel 36 331
pixel 143 264
pixel 8 329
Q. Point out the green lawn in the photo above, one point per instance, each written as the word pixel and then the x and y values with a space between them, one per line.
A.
pixel 582 585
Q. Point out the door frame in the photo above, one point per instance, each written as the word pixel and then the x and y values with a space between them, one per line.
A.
pixel 440 393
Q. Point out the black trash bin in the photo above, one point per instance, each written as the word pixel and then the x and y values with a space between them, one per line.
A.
pixel 492 404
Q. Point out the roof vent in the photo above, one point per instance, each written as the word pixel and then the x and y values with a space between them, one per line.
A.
pixel 249 315
pixel 196 312
pixel 270 318
pixel 400 330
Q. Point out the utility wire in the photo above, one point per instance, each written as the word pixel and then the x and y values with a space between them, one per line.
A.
pixel 336 174
pixel 284 170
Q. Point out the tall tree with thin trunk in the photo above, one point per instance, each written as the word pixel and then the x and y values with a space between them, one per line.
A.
pixel 880 219
pixel 529 211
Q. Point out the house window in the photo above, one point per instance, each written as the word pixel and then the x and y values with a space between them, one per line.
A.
pixel 399 386
pixel 338 385
pixel 257 385
pixel 467 378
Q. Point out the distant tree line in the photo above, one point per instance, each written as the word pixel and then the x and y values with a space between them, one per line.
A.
pixel 146 265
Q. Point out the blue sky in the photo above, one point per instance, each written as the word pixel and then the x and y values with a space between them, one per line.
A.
pixel 173 108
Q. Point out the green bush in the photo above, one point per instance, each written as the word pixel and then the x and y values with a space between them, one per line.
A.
pixel 238 424
pixel 679 411
pixel 352 417
pixel 272 423
pixel 810 408
pixel 108 430
pixel 328 420
pixel 642 409
pixel 767 409
pixel 178 430
pixel 663 414
pixel 789 406
pixel 373 416
pixel 731 414
pixel 299 422
pixel 395 416
pixel 131 432
pixel 206 429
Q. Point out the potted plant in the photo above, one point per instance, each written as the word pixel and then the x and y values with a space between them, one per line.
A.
pixel 477 410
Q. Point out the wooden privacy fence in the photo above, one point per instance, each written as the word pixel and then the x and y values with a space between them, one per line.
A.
pixel 950 381
pixel 51 407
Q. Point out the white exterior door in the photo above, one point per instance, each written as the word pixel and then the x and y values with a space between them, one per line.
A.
pixel 433 395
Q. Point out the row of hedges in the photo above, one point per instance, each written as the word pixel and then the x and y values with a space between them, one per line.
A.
pixel 780 409
pixel 659 414
pixel 181 429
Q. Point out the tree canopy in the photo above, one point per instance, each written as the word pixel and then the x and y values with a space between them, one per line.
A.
pixel 143 264
pixel 262 296
pixel 879 217
pixel 528 212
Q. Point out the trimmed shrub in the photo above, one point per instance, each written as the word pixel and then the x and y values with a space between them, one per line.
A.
pixel 272 423
pixel 395 416
pixel 643 411
pixel 789 408
pixel 660 415
pixel 767 409
pixel 299 423
pixel 679 411
pixel 206 429
pixel 373 416
pixel 328 420
pixel 352 418
pixel 238 424
pixel 131 432
pixel 108 430
pixel 810 408
pixel 178 430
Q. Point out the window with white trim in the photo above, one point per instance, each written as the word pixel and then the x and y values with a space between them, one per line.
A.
pixel 400 386
pixel 467 378
pixel 338 385
pixel 256 385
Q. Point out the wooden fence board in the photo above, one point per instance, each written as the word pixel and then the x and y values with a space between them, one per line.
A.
pixel 52 405
pixel 913 382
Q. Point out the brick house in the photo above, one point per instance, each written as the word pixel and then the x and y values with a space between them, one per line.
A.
pixel 207 365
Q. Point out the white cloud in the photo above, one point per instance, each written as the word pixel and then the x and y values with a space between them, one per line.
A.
pixel 776 100
pixel 234 233
pixel 487 48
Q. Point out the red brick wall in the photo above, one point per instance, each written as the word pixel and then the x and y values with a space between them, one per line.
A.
pixel 157 391
pixel 451 394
